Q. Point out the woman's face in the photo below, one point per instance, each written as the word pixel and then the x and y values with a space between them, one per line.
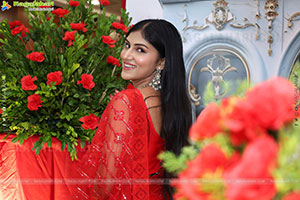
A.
pixel 139 60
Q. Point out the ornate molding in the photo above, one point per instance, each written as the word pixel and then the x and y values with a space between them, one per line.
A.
pixel 291 19
pixel 219 17
pixel 270 15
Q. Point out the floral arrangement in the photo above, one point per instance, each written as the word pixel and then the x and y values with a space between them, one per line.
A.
pixel 58 74
pixel 243 148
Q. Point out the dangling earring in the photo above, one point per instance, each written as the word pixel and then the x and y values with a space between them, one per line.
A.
pixel 155 83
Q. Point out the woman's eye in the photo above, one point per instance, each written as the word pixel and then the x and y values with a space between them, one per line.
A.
pixel 140 50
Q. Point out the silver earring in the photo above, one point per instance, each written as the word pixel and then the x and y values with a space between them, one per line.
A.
pixel 155 83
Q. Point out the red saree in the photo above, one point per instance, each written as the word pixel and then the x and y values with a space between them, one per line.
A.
pixel 122 158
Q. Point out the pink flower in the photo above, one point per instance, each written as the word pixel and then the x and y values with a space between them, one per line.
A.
pixel 54 77
pixel 34 102
pixel 27 83
pixel 86 81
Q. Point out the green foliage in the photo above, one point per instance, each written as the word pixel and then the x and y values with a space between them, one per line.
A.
pixel 64 104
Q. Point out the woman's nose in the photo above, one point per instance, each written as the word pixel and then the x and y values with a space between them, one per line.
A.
pixel 126 54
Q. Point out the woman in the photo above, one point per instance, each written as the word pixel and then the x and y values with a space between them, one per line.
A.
pixel 150 116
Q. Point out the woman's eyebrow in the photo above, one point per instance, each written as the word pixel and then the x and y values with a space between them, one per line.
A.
pixel 140 44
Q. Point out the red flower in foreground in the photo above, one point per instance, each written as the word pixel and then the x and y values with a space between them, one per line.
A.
pixel 107 40
pixel 1 111
pixel 90 122
pixel 69 36
pixel 20 29
pixel 269 112
pixel 292 196
pixel 74 3
pixel 27 83
pixel 78 26
pixel 104 2
pixel 86 81
pixel 36 56
pixel 34 102
pixel 251 178
pixel 54 77
pixel 112 60
pixel 209 160
pixel 207 124
pixel 60 12
pixel 14 24
pixel 120 26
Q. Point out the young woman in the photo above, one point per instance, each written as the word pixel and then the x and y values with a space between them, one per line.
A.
pixel 152 115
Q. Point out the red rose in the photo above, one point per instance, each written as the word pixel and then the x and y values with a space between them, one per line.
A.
pixel 60 12
pixel 1 111
pixel 27 83
pixel 74 3
pixel 104 2
pixel 36 56
pixel 54 77
pixel 209 160
pixel 292 196
pixel 90 122
pixel 255 166
pixel 14 24
pixel 34 102
pixel 120 26
pixel 107 40
pixel 20 29
pixel 86 81
pixel 207 124
pixel 69 36
pixel 113 61
pixel 78 26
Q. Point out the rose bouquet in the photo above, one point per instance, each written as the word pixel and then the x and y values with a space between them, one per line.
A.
pixel 58 74
pixel 245 148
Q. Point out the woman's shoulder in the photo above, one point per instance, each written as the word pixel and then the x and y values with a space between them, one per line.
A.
pixel 130 95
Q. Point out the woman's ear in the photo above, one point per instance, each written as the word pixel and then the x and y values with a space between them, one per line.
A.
pixel 161 63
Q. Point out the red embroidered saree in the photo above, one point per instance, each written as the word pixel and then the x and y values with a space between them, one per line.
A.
pixel 116 164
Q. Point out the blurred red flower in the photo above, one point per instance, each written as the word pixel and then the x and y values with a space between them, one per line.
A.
pixel 54 77
pixel 27 83
pixel 250 178
pixel 14 24
pixel 20 29
pixel 107 40
pixel 120 26
pixel 207 124
pixel 209 160
pixel 34 102
pixel 292 196
pixel 78 26
pixel 112 60
pixel 60 12
pixel 86 81
pixel 74 3
pixel 104 2
pixel 36 56
pixel 69 36
pixel 90 122
pixel 1 111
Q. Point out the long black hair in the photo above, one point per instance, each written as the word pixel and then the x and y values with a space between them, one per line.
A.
pixel 176 106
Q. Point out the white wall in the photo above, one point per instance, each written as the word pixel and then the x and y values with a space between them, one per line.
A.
pixel 144 9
